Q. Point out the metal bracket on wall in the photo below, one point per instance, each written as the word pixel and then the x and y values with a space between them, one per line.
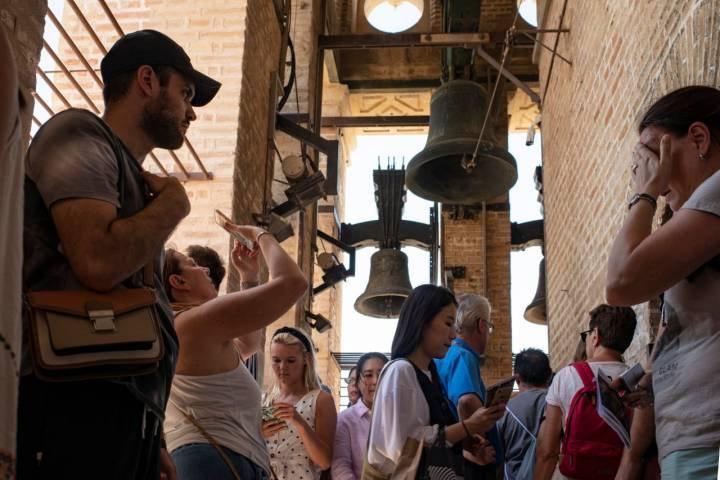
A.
pixel 329 147
pixel 507 74
pixel 451 273
pixel 338 273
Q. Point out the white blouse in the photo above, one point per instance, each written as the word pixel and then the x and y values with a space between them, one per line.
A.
pixel 399 411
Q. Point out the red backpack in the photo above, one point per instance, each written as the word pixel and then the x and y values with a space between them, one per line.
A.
pixel 591 449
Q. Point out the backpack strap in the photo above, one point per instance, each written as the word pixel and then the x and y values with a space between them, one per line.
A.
pixel 520 423
pixel 586 374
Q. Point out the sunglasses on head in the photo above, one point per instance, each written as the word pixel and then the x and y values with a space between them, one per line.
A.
pixel 583 335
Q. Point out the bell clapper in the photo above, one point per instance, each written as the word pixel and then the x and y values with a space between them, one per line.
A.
pixel 468 163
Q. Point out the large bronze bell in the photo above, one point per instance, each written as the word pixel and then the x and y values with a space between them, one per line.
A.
pixel 388 287
pixel 444 170
pixel 536 312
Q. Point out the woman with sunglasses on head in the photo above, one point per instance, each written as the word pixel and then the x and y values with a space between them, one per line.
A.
pixel 677 156
pixel 410 406
pixel 300 436
pixel 212 424
pixel 353 425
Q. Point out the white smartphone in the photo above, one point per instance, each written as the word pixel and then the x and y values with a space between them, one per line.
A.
pixel 222 220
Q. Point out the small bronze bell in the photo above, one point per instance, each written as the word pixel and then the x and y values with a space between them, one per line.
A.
pixel 536 312
pixel 388 286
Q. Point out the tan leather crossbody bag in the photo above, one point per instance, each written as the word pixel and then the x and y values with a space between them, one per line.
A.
pixel 80 335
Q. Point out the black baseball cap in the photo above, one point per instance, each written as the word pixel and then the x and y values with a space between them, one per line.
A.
pixel 150 47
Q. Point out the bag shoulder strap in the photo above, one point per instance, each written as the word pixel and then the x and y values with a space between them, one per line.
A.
pixel 586 374
pixel 210 439
pixel 512 414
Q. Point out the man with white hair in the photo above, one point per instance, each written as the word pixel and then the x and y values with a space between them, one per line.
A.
pixel 459 372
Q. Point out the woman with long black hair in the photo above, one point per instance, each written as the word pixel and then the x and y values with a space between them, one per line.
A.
pixel 410 409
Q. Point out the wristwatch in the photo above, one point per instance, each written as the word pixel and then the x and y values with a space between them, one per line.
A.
pixel 642 196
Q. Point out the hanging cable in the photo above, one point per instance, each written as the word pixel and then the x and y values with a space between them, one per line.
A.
pixel 469 164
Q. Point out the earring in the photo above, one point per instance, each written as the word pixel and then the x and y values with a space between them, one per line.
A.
pixel 701 157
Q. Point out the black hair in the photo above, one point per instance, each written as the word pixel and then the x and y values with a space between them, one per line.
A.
pixel 367 356
pixel 616 326
pixel 117 87
pixel 210 259
pixel 679 109
pixel 418 310
pixel 533 367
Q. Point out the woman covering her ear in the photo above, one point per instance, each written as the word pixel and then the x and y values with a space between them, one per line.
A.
pixel 213 418
pixel 677 157
pixel 300 436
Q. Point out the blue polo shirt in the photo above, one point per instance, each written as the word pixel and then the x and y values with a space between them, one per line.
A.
pixel 459 373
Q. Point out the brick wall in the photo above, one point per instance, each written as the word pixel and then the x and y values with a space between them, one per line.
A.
pixel 625 55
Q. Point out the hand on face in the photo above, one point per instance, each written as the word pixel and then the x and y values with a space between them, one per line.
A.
pixel 651 171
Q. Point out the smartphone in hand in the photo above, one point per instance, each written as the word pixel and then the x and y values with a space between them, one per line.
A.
pixel 500 392
pixel 222 220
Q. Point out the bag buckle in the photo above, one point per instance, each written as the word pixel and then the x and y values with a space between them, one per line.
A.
pixel 102 316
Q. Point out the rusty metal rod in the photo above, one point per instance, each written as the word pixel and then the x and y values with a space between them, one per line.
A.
pixel 74 47
pixel 70 77
pixel 160 165
pixel 42 102
pixel 87 26
pixel 554 51
pixel 111 17
pixel 197 159
pixel 52 86
pixel 179 164
pixel 547 48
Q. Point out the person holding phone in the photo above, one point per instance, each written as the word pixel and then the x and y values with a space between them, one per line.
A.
pixel 677 156
pixel 301 442
pixel 459 373
pixel 410 404
pixel 213 419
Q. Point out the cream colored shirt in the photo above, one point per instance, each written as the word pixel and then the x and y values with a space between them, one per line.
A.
pixel 227 405
pixel 12 172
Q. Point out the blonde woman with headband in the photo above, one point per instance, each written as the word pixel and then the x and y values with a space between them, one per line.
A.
pixel 300 436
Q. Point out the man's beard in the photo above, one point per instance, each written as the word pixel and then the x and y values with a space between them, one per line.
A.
pixel 162 128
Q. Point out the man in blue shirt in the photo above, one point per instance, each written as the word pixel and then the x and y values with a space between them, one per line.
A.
pixel 460 374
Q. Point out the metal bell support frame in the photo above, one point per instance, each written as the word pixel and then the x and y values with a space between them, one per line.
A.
pixel 389 282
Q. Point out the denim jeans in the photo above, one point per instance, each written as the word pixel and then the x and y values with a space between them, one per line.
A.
pixel 695 464
pixel 201 461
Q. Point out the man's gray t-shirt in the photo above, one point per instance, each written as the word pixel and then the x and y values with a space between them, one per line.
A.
pixel 529 407
pixel 685 370
pixel 76 155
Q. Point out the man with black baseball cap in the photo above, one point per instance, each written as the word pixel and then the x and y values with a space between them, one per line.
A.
pixel 93 219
